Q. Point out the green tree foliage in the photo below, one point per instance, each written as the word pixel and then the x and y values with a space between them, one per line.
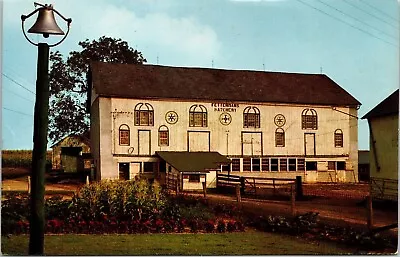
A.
pixel 68 85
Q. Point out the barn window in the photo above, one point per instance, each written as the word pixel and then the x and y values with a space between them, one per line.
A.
pixel 163 136
pixel 124 135
pixel 226 167
pixel 246 164
pixel 283 164
pixel 309 119
pixel 148 166
pixel 144 114
pixel 265 164
pixel 279 137
pixel 331 165
pixel 194 178
pixel 251 117
pixel 197 116
pixel 300 164
pixel 274 164
pixel 338 138
pixel 341 165
pixel 235 164
pixel 255 163
pixel 292 164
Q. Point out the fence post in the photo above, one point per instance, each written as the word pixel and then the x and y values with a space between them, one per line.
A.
pixel 29 184
pixel 299 188
pixel 238 197
pixel 370 213
pixel 242 185
pixel 204 189
pixel 292 200
pixel 273 183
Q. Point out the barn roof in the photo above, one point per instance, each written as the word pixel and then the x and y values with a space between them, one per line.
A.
pixel 194 161
pixel 160 82
pixel 84 138
pixel 389 106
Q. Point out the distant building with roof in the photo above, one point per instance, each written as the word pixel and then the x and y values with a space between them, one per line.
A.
pixel 269 124
pixel 72 153
pixel 383 121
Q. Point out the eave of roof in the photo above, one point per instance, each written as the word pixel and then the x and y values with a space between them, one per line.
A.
pixel 163 82
pixel 389 106
pixel 193 161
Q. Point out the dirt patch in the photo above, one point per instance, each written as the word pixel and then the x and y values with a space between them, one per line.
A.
pixel 22 185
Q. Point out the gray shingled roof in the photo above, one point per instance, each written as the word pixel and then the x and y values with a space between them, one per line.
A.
pixel 389 106
pixel 155 82
pixel 194 161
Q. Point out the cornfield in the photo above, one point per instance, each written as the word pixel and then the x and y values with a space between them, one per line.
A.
pixel 20 158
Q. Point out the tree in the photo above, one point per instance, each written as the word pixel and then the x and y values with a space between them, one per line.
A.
pixel 68 86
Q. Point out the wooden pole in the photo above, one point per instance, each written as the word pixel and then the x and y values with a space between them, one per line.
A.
pixel 204 189
pixel 370 221
pixel 292 200
pixel 40 129
pixel 29 184
pixel 273 183
pixel 299 188
pixel 238 197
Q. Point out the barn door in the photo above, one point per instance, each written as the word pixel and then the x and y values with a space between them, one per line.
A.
pixel 144 142
pixel 134 169
pixel 309 144
pixel 251 143
pixel 70 158
pixel 198 141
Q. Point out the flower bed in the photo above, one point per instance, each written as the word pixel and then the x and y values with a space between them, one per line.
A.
pixel 122 207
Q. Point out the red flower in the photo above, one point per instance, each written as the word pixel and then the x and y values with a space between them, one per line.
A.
pixel 159 222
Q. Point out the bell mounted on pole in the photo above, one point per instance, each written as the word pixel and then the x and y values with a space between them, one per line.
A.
pixel 46 23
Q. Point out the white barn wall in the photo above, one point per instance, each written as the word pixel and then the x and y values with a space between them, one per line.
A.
pixel 328 121
pixel 114 112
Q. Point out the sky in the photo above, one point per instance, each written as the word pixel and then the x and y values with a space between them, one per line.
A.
pixel 354 42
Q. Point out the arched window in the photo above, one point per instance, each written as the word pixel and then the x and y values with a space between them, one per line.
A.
pixel 197 116
pixel 338 138
pixel 279 137
pixel 144 115
pixel 309 119
pixel 124 137
pixel 251 117
pixel 163 136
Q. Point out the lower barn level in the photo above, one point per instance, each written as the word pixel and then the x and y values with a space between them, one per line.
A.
pixel 312 170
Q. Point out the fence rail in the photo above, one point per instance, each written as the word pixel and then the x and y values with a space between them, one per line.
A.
pixel 251 184
pixel 384 189
pixel 172 181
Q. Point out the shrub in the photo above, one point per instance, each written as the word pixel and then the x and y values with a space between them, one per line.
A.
pixel 198 211
pixel 231 226
pixel 194 225
pixel 221 226
pixel 209 226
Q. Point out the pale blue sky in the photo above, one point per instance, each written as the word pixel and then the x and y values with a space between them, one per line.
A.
pixel 354 42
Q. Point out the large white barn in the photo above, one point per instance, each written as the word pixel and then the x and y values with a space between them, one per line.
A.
pixel 256 123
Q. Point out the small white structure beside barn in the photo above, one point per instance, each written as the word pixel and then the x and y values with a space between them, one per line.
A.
pixel 267 124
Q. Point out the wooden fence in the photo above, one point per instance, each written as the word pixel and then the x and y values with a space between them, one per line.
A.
pixel 384 189
pixel 252 184
pixel 172 181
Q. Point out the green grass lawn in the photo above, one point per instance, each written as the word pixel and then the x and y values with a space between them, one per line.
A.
pixel 241 243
